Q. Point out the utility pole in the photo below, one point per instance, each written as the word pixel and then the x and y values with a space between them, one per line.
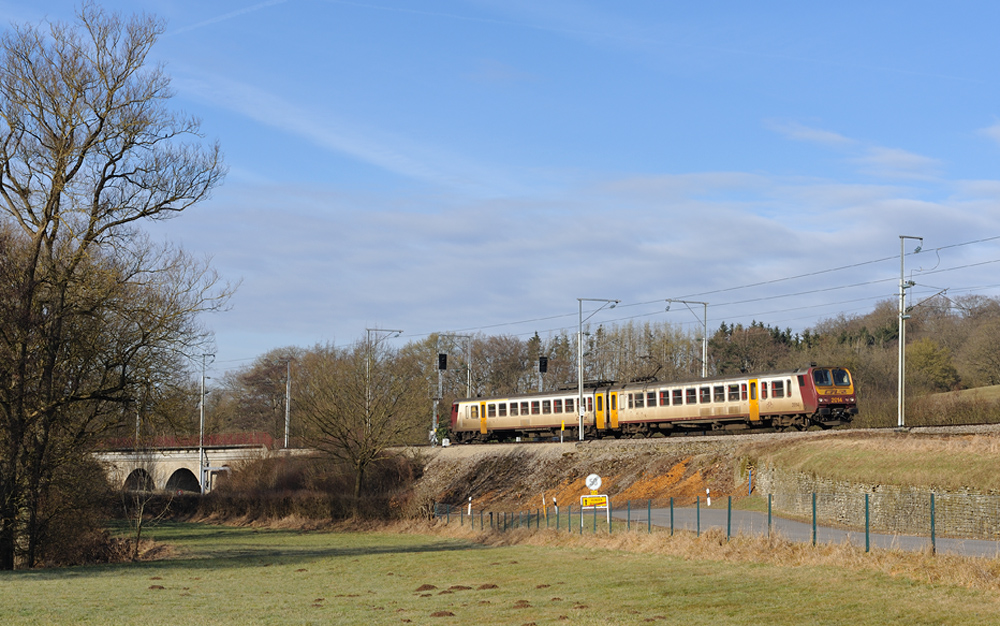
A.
pixel 368 367
pixel 201 427
pixel 579 350
pixel 903 286
pixel 443 365
pixel 704 334
pixel 288 399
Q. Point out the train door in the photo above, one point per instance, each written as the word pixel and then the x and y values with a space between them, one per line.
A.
pixel 613 408
pixel 599 409
pixel 754 402
pixel 482 417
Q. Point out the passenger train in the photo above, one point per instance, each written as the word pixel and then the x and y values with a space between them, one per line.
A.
pixel 786 400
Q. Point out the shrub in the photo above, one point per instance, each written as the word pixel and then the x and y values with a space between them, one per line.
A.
pixel 316 488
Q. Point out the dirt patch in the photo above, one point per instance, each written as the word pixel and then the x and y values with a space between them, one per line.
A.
pixel 531 477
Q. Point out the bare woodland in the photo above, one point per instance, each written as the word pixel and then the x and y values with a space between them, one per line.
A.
pixel 93 316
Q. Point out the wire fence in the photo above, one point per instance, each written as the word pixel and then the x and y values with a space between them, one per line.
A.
pixel 803 516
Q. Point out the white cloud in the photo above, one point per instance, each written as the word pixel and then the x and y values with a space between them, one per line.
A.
pixel 801 132
pixel 993 132
pixel 897 163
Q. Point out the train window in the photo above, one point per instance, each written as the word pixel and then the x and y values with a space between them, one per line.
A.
pixel 753 390
pixel 719 394
pixel 822 377
pixel 502 409
pixel 631 401
pixel 600 403
pixel 802 380
pixel 513 408
pixel 734 393
pixel 524 408
pixel 678 397
pixel 763 391
pixel 474 412
pixel 534 407
pixel 841 378
pixel 546 406
pixel 664 398
pixel 590 404
pixel 638 400
pixel 491 410
pixel 650 398
pixel 778 389
pixel 691 396
pixel 557 406
pixel 569 405
pixel 705 395
pixel 613 403
pixel 743 391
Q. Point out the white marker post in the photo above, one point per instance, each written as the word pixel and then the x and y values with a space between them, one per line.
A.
pixel 708 495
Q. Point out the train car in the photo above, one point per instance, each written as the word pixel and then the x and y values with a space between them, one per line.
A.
pixel 795 399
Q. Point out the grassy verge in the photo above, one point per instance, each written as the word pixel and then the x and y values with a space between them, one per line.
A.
pixel 904 459
pixel 453 576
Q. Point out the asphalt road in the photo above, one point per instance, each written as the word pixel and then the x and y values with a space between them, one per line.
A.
pixel 752 523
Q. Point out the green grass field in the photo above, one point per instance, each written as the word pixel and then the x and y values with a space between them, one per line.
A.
pixel 223 575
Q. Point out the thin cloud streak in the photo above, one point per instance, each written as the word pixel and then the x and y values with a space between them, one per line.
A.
pixel 390 152
pixel 227 16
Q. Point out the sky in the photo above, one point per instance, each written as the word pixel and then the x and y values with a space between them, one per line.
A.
pixel 478 166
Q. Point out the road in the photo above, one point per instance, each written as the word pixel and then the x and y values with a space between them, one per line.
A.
pixel 753 523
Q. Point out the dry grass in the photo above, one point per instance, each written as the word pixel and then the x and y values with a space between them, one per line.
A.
pixel 953 463
pixel 923 567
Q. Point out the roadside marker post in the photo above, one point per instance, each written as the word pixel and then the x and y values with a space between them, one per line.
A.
pixel 729 519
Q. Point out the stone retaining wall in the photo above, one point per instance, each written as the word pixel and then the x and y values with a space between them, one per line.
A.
pixel 891 509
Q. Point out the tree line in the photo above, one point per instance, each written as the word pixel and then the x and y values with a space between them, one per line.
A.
pixel 952 344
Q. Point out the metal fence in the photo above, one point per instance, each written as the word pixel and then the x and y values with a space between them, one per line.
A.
pixel 805 516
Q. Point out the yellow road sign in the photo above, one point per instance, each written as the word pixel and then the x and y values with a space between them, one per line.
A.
pixel 600 502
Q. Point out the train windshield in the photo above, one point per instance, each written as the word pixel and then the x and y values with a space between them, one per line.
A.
pixel 831 377
pixel 841 378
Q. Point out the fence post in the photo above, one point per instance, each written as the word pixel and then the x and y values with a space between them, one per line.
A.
pixel 769 496
pixel 868 543
pixel 569 518
pixel 814 518
pixel 611 510
pixel 671 516
pixel 933 539
pixel 729 518
pixel 697 508
pixel 595 519
pixel 628 517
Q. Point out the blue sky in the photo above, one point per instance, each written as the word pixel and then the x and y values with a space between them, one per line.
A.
pixel 466 166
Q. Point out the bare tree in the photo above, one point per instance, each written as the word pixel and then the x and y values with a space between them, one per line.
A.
pixel 139 495
pixel 91 311
pixel 360 401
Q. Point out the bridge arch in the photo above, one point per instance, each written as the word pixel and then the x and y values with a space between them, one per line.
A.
pixel 139 480
pixel 183 479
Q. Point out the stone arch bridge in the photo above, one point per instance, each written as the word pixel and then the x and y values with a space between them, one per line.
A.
pixel 176 465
